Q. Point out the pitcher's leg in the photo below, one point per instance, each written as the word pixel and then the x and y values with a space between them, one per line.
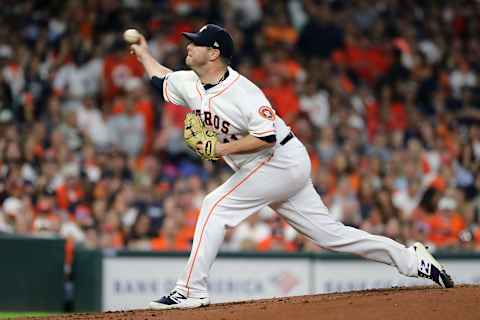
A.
pixel 208 238
pixel 240 196
pixel 219 209
pixel 306 212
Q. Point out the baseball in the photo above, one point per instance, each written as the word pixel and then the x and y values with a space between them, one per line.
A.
pixel 131 36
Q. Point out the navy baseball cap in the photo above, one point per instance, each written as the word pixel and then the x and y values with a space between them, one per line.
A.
pixel 212 36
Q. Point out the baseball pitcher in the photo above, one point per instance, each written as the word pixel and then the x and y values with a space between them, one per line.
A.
pixel 232 119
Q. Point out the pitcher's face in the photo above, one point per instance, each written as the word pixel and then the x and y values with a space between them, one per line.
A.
pixel 197 56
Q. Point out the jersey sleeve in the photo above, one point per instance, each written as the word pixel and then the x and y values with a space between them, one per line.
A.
pixel 257 111
pixel 175 87
pixel 261 120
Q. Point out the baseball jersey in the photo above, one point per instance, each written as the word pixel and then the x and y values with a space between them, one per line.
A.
pixel 234 108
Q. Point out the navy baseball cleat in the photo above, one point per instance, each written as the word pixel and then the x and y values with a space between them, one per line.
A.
pixel 428 267
pixel 176 300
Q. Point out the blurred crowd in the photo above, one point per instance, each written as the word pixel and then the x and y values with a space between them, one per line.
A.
pixel 384 94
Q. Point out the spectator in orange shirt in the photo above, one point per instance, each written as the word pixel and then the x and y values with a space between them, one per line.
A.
pixel 286 64
pixel 169 238
pixel 47 221
pixel 393 110
pixel 111 234
pixel 127 129
pixel 277 240
pixel 369 60
pixel 277 29
pixel 71 192
pixel 137 91
pixel 118 67
pixel 283 97
pixel 446 224
pixel 188 212
pixel 476 237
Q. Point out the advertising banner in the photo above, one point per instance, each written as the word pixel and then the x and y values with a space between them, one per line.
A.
pixel 132 282
pixel 348 275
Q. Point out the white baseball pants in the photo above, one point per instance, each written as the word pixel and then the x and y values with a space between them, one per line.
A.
pixel 283 178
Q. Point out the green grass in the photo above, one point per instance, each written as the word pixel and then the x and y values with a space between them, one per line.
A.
pixel 11 315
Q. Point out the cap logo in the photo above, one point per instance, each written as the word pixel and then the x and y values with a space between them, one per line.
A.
pixel 216 45
pixel 202 28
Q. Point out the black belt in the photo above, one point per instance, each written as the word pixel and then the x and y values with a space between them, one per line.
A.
pixel 287 138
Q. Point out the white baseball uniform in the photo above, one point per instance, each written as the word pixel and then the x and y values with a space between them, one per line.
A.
pixel 235 108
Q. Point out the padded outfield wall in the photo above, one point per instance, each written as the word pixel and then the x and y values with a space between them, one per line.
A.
pixel 122 280
pixel 31 274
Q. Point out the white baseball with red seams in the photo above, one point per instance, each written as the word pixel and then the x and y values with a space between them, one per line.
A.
pixel 235 108
pixel 131 36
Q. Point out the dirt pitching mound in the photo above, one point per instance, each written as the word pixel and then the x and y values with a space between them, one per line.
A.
pixel 426 303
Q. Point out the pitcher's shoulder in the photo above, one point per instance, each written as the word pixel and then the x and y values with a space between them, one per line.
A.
pixel 247 88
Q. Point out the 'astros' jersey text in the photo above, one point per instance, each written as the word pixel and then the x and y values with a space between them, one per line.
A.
pixel 234 108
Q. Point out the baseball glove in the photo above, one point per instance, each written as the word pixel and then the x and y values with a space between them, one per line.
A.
pixel 199 138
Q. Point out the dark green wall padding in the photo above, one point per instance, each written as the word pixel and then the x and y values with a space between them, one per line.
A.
pixel 87 274
pixel 31 274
